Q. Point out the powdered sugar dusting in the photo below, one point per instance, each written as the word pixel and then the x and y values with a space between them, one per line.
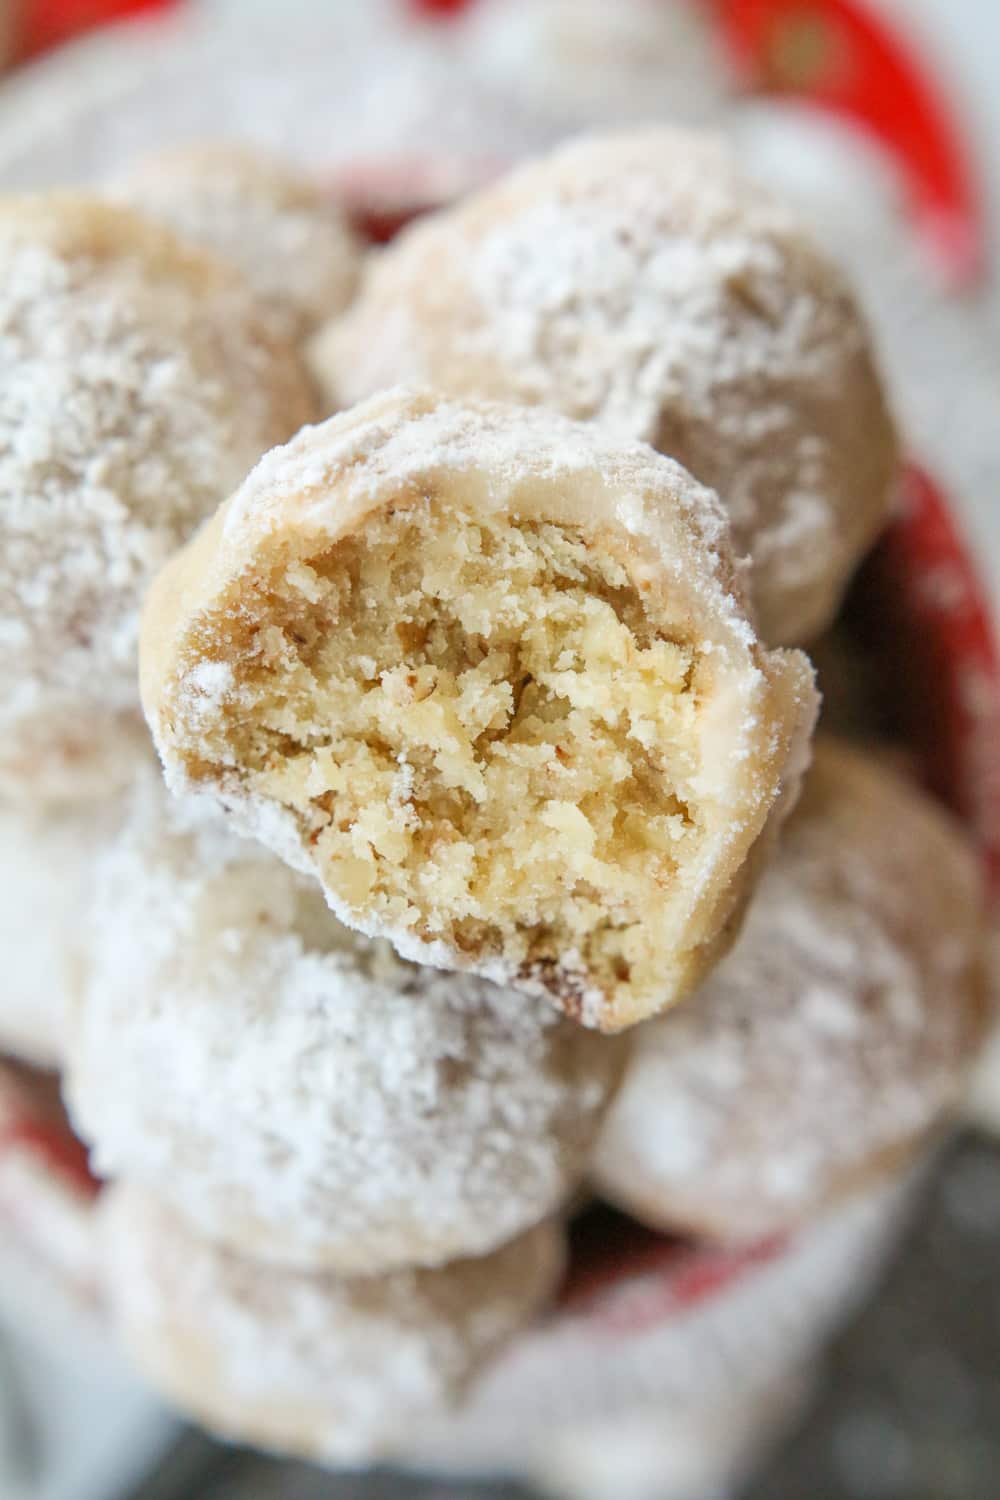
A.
pixel 638 1348
pixel 322 1366
pixel 288 239
pixel 138 387
pixel 46 868
pixel 406 439
pixel 640 281
pixel 300 1091
pixel 837 1031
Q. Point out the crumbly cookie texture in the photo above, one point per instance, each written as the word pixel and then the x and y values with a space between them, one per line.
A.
pixel 299 1092
pixel 488 675
pixel 46 868
pixel 139 385
pixel 641 281
pixel 287 237
pixel 319 1366
pixel 834 1037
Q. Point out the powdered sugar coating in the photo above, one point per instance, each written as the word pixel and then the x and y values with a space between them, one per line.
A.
pixel 139 385
pixel 298 1092
pixel 643 1345
pixel 288 239
pixel 319 1366
pixel 46 866
pixel 204 625
pixel 836 1034
pixel 640 280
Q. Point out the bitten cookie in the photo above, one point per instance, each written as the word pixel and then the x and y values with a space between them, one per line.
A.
pixel 46 869
pixel 834 1037
pixel 299 1092
pixel 318 1366
pixel 290 241
pixel 139 385
pixel 640 280
pixel 488 675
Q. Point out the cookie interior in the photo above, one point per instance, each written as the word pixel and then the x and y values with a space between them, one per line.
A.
pixel 485 737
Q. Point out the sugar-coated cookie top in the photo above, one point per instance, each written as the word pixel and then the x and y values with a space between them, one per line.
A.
pixel 298 1090
pixel 641 280
pixel 139 385
pixel 287 237
pixel 318 1366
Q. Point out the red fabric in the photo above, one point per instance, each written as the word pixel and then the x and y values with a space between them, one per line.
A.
pixel 433 9
pixel 43 24
pixel 839 56
pixel 832 53
pixel 928 608
pixel 55 1144
pixel 632 1279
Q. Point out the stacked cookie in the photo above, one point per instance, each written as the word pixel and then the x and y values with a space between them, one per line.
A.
pixel 139 379
pixel 480 874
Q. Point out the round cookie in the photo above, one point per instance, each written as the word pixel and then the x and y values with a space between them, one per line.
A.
pixel 46 869
pixel 299 1092
pixel 835 1036
pixel 641 281
pixel 289 240
pixel 319 1366
pixel 140 384
pixel 488 675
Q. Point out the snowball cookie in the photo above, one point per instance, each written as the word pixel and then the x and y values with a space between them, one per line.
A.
pixel 319 1366
pixel 488 675
pixel 835 1035
pixel 139 385
pixel 46 867
pixel 291 242
pixel 641 280
pixel 299 1092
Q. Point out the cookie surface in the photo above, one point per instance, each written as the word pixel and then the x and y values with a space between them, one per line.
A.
pixel 46 866
pixel 299 1092
pixel 488 676
pixel 140 384
pixel 289 240
pixel 836 1035
pixel 641 281
pixel 322 1367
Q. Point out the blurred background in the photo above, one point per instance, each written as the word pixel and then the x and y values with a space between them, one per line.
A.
pixel 883 119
